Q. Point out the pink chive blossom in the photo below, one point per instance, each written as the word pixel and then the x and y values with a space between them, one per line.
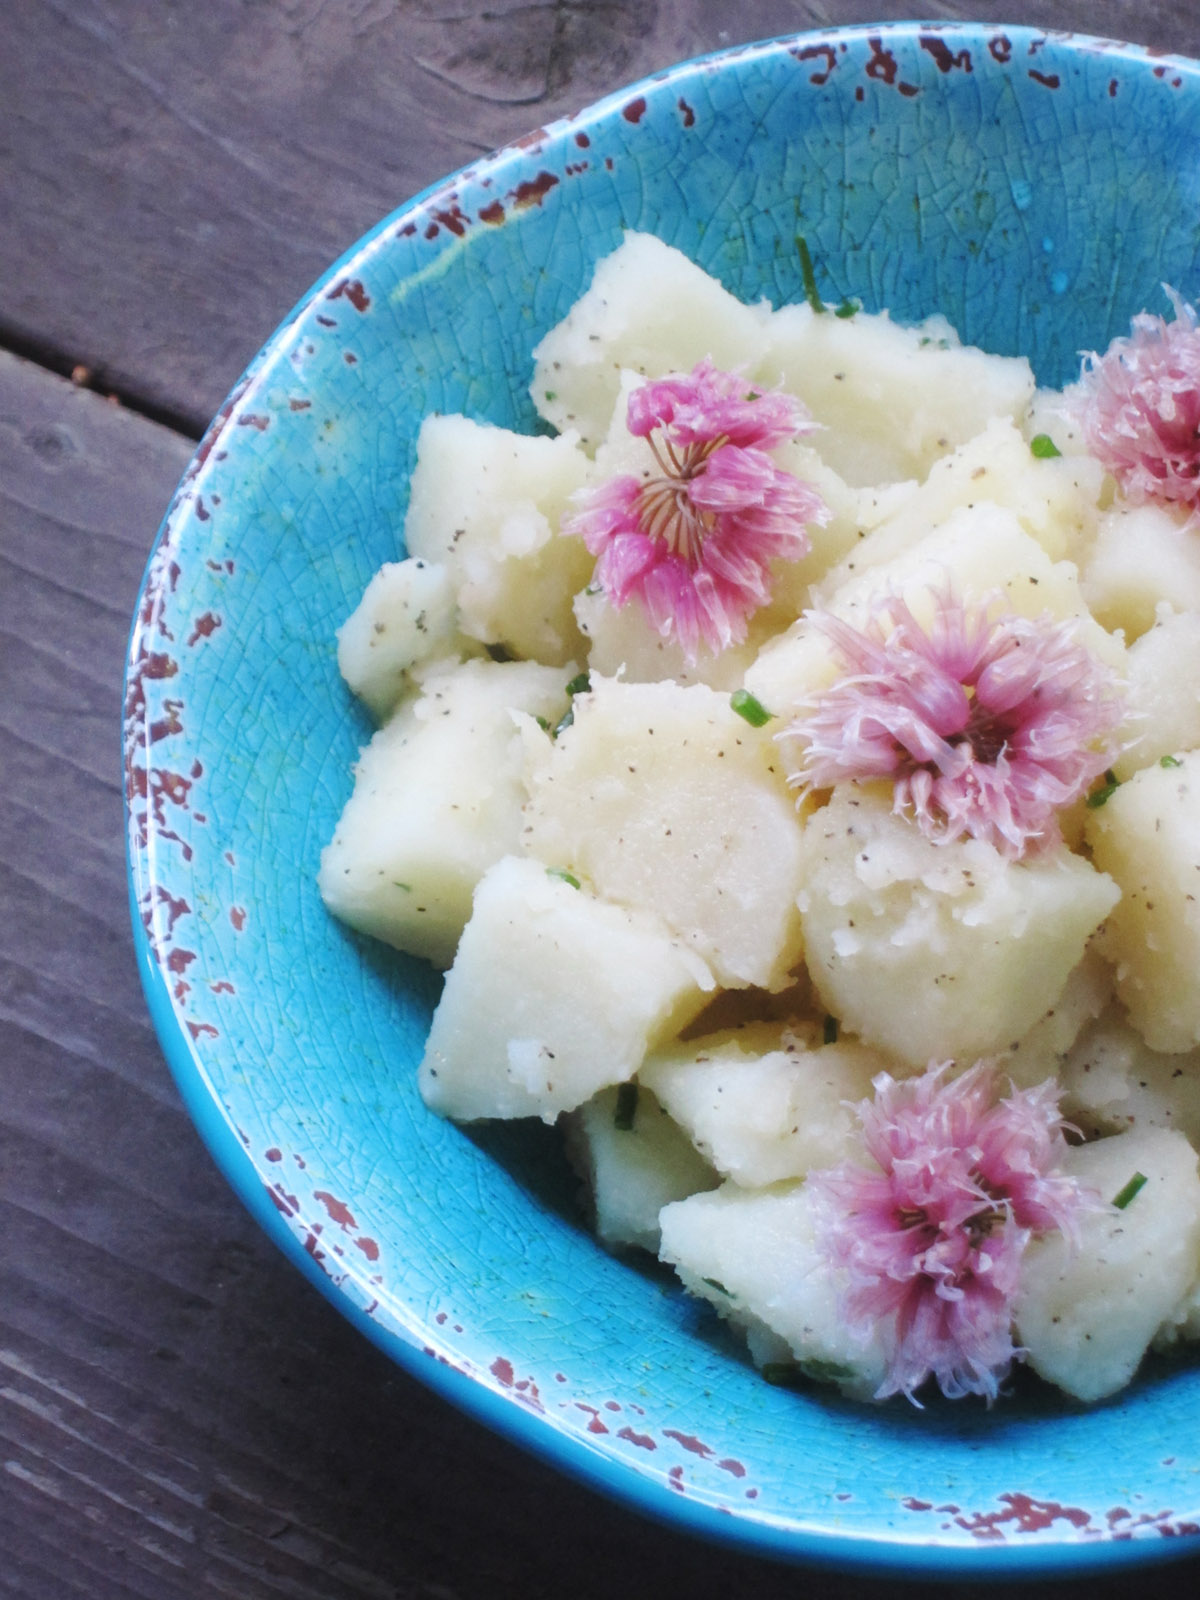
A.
pixel 695 542
pixel 931 1240
pixel 985 725
pixel 1139 408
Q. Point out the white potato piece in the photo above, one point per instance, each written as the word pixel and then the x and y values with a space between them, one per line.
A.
pixel 764 1109
pixel 980 551
pixel 1087 1314
pixel 1162 698
pixel 849 512
pixel 407 614
pixel 1054 501
pixel 1142 556
pixel 1050 413
pixel 936 951
pixel 621 643
pixel 1148 837
pixel 648 309
pixel 753 1254
pixel 633 1165
pixel 487 504
pixel 1112 1081
pixel 1043 1050
pixel 553 996
pixel 891 399
pixel 663 798
pixel 437 799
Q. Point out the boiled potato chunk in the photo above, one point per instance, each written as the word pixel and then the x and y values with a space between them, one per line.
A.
pixel 980 551
pixel 622 643
pixel 1054 413
pixel 1142 556
pixel 633 1164
pixel 754 1255
pixel 1162 699
pixel 663 798
pixel 487 504
pixel 1054 500
pixel 553 996
pixel 437 799
pixel 1113 1081
pixel 651 310
pixel 891 399
pixel 1086 1313
pixel 932 951
pixel 1042 1051
pixel 406 615
pixel 764 1114
pixel 1148 837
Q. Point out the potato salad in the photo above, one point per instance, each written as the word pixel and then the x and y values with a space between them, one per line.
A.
pixel 792 756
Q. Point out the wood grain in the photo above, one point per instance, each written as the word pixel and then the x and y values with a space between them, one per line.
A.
pixel 181 1414
pixel 182 173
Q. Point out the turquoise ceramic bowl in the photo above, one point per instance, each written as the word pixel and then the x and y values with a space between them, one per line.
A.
pixel 1038 190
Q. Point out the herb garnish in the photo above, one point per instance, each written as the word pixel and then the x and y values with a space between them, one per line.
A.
pixel 753 710
pixel 1134 1187
pixel 580 684
pixel 1043 447
pixel 811 293
pixel 626 1111
pixel 567 877
pixel 1104 794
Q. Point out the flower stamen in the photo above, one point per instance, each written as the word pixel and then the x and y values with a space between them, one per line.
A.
pixel 922 1258
pixel 695 544
pixel 986 725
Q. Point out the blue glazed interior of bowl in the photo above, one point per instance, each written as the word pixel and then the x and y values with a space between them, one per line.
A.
pixel 1036 190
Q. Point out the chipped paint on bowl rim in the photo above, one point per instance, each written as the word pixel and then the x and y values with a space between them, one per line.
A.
pixel 915 162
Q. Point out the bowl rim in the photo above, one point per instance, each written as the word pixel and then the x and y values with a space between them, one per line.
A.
pixel 869 1553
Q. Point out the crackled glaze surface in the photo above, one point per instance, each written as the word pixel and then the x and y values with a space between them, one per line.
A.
pixel 1036 189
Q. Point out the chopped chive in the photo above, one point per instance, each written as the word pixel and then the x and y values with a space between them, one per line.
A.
pixel 567 877
pixel 1170 761
pixel 809 276
pixel 745 704
pixel 831 1030
pixel 1104 794
pixel 825 1371
pixel 715 1283
pixel 782 1374
pixel 1134 1187
pixel 550 395
pixel 848 309
pixel 542 723
pixel 627 1100
pixel 580 684
pixel 1043 447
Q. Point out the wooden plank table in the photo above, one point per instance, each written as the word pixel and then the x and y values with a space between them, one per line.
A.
pixel 180 1414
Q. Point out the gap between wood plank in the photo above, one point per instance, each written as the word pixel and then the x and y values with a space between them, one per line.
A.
pixel 44 355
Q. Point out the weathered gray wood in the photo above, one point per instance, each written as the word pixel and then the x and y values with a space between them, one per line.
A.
pixel 176 175
pixel 181 1414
